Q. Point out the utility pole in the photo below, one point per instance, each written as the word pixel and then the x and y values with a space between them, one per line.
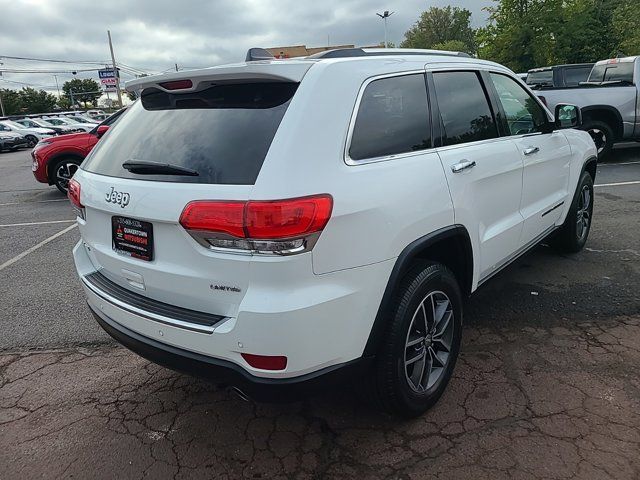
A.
pixel 176 67
pixel 384 17
pixel 115 70
pixel 1 104
pixel 57 87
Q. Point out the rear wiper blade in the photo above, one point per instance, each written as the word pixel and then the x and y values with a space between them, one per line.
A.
pixel 157 168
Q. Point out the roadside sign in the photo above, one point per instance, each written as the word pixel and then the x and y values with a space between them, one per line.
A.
pixel 110 87
pixel 107 76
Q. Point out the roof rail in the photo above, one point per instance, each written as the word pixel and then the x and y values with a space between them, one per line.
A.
pixel 360 52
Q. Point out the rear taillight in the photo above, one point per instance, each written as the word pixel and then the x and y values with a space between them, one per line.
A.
pixel 177 84
pixel 73 192
pixel 274 226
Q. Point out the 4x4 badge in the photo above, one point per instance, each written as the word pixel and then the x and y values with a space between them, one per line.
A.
pixel 119 198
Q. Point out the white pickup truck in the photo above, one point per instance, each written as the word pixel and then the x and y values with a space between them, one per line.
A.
pixel 609 101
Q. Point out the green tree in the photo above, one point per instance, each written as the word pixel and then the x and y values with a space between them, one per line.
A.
pixel 625 24
pixel 524 34
pixel 86 91
pixel 36 101
pixel 11 101
pixel 437 26
pixel 451 46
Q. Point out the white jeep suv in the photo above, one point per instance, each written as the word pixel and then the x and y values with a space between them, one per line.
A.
pixel 284 226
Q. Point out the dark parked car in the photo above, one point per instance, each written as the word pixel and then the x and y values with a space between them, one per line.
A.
pixel 11 140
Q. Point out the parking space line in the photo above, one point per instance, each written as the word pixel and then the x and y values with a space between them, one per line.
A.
pixel 34 201
pixel 36 223
pixel 37 246
pixel 619 184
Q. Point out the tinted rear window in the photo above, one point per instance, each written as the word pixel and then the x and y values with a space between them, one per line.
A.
pixel 544 78
pixel 464 108
pixel 223 133
pixel 612 72
pixel 393 118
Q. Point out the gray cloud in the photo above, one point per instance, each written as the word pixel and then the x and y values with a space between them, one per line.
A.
pixel 152 35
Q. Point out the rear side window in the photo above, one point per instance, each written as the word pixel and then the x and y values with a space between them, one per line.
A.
pixel 611 72
pixel 464 109
pixel 393 118
pixel 544 78
pixel 573 76
pixel 223 133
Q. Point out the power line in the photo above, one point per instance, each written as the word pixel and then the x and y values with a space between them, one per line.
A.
pixel 13 70
pixel 79 62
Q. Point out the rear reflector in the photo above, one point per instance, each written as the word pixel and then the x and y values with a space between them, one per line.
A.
pixel 268 220
pixel 177 84
pixel 266 362
pixel 73 192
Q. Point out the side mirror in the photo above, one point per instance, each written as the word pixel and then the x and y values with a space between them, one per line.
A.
pixel 101 130
pixel 567 116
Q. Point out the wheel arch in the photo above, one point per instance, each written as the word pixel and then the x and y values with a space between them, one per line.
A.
pixel 591 166
pixel 607 114
pixel 450 246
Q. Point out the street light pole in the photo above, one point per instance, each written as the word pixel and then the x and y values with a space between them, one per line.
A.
pixel 384 17
pixel 115 70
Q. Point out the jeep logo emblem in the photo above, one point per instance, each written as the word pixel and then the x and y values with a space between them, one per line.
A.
pixel 119 198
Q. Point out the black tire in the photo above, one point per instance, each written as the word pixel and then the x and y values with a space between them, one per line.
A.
pixel 602 135
pixel 574 232
pixel 32 140
pixel 393 383
pixel 62 170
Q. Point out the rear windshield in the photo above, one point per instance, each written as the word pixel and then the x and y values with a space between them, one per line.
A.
pixel 611 72
pixel 544 78
pixel 223 133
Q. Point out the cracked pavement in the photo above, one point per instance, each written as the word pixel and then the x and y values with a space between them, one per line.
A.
pixel 547 385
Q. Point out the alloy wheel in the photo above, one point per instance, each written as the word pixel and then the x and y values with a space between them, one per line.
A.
pixel 583 217
pixel 428 346
pixel 64 172
pixel 599 138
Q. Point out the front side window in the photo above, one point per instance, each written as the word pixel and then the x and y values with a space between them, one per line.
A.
pixel 464 108
pixel 523 113
pixel 393 118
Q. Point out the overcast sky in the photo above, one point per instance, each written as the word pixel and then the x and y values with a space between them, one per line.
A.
pixel 153 35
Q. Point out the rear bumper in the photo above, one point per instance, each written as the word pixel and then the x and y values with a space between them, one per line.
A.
pixel 228 373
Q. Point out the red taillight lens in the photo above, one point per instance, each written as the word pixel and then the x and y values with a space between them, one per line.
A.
pixel 266 362
pixel 287 218
pixel 73 192
pixel 214 216
pixel 177 84
pixel 268 220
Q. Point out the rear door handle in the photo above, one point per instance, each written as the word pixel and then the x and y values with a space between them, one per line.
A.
pixel 531 150
pixel 463 165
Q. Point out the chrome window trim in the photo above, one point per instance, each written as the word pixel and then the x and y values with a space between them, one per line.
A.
pixel 352 122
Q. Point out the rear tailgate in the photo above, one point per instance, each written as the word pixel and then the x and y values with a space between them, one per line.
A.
pixel 169 149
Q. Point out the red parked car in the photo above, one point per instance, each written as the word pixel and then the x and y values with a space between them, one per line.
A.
pixel 56 159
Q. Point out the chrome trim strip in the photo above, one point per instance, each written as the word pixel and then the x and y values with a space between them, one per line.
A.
pixel 553 208
pixel 149 316
pixel 517 254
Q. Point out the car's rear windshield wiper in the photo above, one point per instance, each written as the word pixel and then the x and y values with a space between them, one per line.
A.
pixel 157 168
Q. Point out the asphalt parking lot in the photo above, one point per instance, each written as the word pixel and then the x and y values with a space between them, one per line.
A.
pixel 547 385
